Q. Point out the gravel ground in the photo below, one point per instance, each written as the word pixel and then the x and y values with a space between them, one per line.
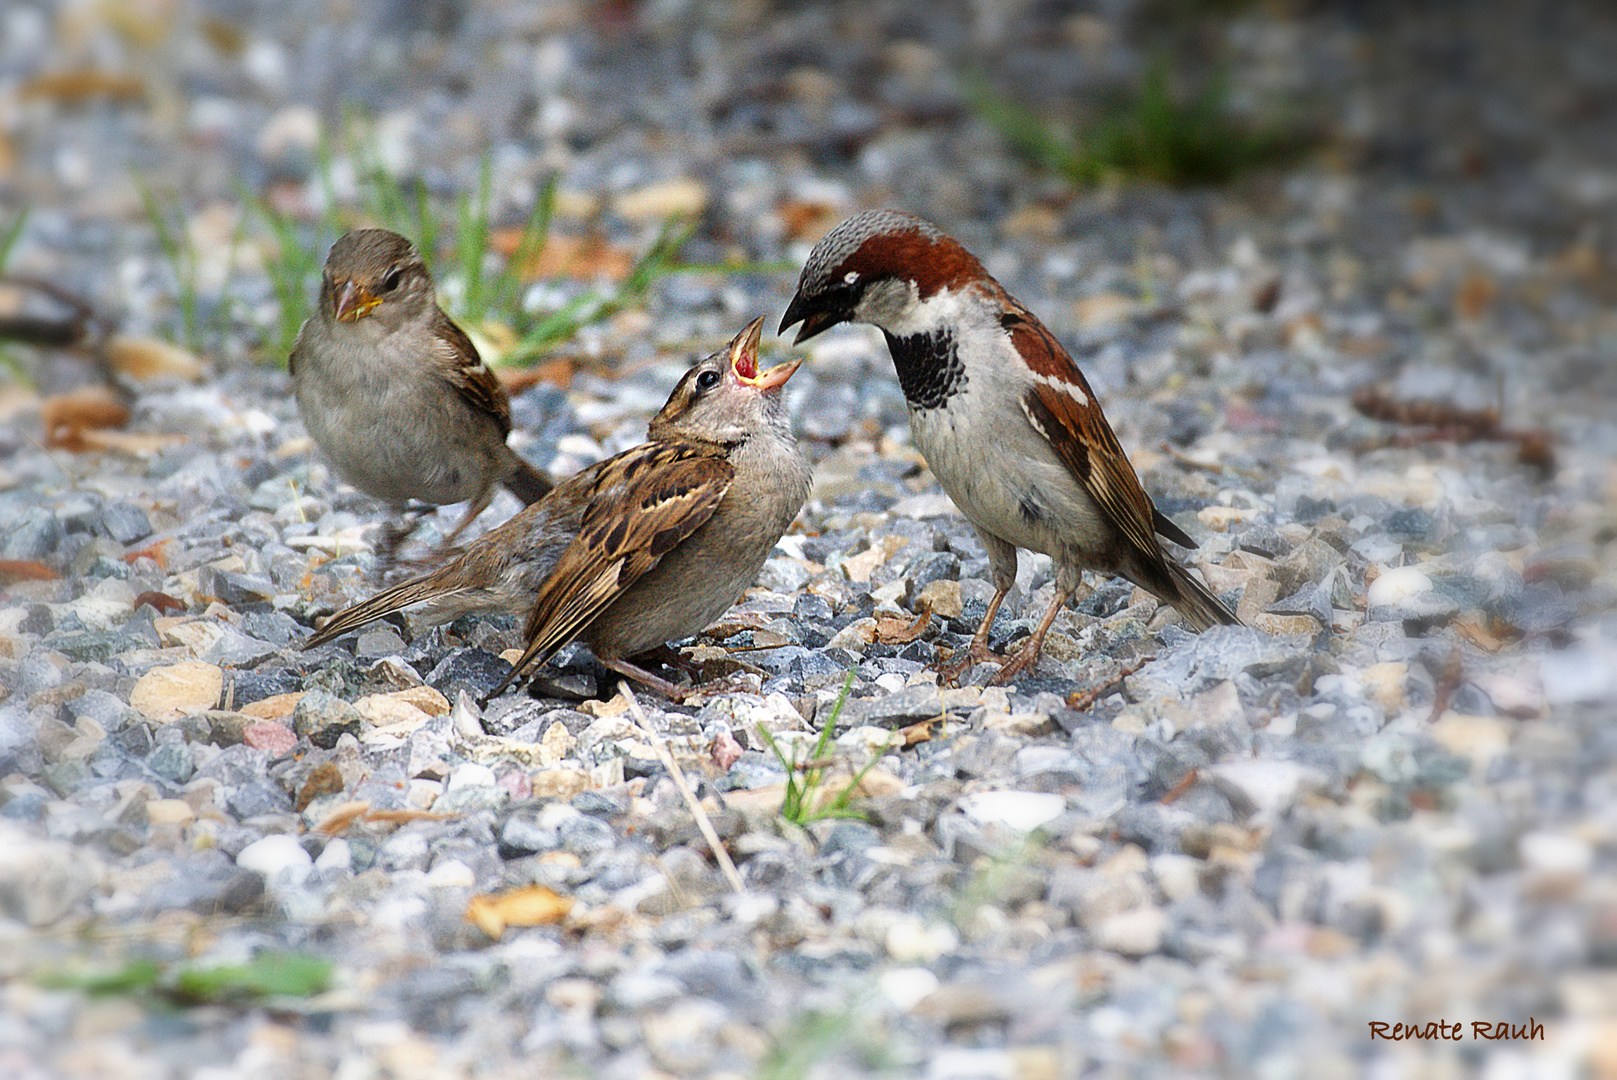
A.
pixel 1392 799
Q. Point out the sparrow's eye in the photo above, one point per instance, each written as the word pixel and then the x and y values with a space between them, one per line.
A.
pixel 391 282
pixel 707 380
pixel 850 277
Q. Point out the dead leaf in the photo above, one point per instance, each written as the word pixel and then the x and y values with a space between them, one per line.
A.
pixel 1479 635
pixel 67 417
pixel 78 87
pixel 345 815
pixel 808 220
pixel 132 443
pixel 404 817
pixel 12 570
pixel 895 630
pixel 162 602
pixel 1475 296
pixel 588 257
pixel 557 371
pixel 154 552
pixel 918 732
pixel 531 905
pixel 143 358
pixel 324 779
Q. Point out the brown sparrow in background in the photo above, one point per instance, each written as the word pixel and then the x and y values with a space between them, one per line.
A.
pixel 395 393
pixel 1003 416
pixel 646 547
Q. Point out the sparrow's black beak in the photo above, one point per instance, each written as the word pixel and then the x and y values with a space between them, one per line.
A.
pixel 815 315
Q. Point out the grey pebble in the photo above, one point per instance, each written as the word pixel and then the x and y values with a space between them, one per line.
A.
pixel 323 718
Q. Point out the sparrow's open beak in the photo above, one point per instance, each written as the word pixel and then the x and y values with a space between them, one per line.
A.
pixel 354 302
pixel 744 360
pixel 814 318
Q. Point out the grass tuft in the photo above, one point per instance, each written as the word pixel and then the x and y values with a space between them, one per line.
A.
pixel 175 243
pixel 266 975
pixel 1151 133
pixel 804 803
pixel 476 285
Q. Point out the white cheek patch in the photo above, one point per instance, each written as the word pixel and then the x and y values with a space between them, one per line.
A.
pixel 899 309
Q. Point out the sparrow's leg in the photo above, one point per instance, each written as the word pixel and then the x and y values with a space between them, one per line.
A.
pixel 645 678
pixel 1002 563
pixel 668 656
pixel 1027 657
pixel 395 531
pixel 978 651
pixel 473 508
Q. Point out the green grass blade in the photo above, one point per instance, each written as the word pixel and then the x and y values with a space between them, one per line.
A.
pixel 13 233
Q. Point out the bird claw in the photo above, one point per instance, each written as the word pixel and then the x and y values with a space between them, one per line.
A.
pixel 1015 665
pixel 977 653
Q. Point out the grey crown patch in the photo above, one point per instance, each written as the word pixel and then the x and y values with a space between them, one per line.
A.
pixel 928 366
pixel 841 242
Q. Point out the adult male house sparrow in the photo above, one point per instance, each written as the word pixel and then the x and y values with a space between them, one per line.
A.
pixel 395 393
pixel 1003 416
pixel 646 547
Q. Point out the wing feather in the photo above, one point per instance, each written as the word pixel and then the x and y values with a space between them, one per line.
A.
pixel 639 513
pixel 1062 407
pixel 461 367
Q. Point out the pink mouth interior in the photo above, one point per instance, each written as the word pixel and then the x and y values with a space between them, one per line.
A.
pixel 746 364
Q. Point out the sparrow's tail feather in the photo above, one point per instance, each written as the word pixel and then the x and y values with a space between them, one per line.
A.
pixel 383 603
pixel 1196 601
pixel 526 482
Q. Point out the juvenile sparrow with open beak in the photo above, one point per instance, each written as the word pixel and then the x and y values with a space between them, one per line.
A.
pixel 395 393
pixel 1003 416
pixel 646 547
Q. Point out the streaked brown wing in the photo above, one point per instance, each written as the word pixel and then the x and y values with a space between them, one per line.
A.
pixel 1063 408
pixel 463 369
pixel 658 495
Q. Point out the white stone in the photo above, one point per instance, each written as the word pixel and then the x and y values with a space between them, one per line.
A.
pixel 470 775
pixel 910 940
pixel 1132 933
pixel 277 857
pixel 1178 876
pixel 1397 585
pixel 1019 810
pixel 1555 853
pixel 335 857
pixel 905 987
pixel 451 874
pixel 1263 788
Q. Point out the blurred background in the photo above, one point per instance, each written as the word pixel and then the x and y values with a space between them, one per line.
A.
pixel 183 165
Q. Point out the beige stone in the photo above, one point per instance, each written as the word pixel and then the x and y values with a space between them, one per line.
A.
pixel 400 712
pixel 1384 683
pixel 274 707
pixel 556 743
pixel 168 693
pixel 560 783
pixel 657 202
pixel 1284 624
pixel 170 812
pixel 942 598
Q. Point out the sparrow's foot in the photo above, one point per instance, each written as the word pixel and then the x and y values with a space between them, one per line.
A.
pixel 676 694
pixel 1025 659
pixel 977 653
pixel 668 656
pixel 394 532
